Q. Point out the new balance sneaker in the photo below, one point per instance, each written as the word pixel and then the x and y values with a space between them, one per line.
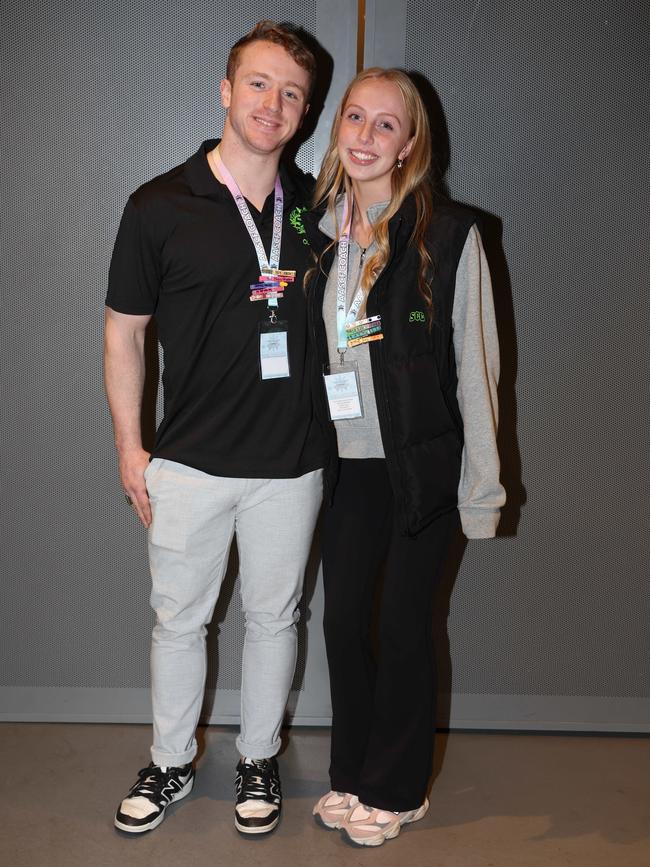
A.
pixel 144 807
pixel 367 826
pixel 331 809
pixel 258 796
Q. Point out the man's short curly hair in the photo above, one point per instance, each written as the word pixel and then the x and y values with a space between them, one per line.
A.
pixel 284 35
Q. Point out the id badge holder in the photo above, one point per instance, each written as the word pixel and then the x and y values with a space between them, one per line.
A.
pixel 343 390
pixel 274 349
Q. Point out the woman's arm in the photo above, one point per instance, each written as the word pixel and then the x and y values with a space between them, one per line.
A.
pixel 476 346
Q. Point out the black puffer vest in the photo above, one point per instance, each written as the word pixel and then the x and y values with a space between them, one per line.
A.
pixel 413 367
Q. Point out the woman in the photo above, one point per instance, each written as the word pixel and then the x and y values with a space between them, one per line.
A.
pixel 402 316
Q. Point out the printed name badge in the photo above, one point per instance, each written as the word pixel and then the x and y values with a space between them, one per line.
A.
pixel 274 350
pixel 343 392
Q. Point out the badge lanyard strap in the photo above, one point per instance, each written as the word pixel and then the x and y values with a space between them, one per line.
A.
pixel 343 319
pixel 278 207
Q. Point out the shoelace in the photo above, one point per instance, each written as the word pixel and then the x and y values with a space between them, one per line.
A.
pixel 257 782
pixel 151 782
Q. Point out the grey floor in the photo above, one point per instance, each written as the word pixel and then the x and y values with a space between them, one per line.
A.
pixel 499 800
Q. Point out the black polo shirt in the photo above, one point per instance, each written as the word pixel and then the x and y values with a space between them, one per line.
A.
pixel 183 254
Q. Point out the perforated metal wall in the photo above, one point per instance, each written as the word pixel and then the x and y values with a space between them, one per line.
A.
pixel 546 105
pixel 98 97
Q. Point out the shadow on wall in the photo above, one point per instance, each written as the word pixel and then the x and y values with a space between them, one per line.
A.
pixel 491 231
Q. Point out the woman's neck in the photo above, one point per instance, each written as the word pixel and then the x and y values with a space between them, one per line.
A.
pixel 361 229
pixel 365 196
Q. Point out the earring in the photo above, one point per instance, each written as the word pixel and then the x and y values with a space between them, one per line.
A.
pixel 400 163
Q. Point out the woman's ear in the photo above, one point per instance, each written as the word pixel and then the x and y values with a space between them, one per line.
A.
pixel 406 150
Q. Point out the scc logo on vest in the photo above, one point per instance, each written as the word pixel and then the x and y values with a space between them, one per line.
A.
pixel 417 316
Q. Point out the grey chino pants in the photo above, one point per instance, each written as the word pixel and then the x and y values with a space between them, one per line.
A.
pixel 195 516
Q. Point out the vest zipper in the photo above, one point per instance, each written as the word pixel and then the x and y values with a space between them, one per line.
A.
pixel 383 408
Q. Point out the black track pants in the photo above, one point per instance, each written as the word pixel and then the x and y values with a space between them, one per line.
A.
pixel 383 706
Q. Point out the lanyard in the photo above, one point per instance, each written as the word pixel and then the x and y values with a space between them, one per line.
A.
pixel 274 259
pixel 343 319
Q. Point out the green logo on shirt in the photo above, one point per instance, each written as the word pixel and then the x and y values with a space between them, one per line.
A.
pixel 417 316
pixel 295 218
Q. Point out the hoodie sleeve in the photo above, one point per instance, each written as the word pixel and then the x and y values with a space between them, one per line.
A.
pixel 476 347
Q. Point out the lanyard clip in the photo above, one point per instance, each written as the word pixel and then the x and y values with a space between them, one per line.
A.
pixel 273 317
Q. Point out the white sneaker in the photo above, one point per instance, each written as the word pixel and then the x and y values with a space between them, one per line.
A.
pixel 367 826
pixel 332 808
pixel 258 796
pixel 144 807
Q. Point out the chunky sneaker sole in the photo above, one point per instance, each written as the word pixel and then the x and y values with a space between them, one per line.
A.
pixel 173 787
pixel 265 828
pixel 258 804
pixel 366 826
pixel 332 808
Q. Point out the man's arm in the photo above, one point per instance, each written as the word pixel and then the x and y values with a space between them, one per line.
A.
pixel 124 371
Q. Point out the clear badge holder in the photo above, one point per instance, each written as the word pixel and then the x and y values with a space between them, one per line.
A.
pixel 274 349
pixel 343 390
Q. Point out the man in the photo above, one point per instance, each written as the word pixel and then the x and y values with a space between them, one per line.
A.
pixel 215 250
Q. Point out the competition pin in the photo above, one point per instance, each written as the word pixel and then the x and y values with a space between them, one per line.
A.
pixel 353 327
pixel 265 296
pixel 264 287
pixel 270 278
pixel 284 274
pixel 363 330
pixel 358 340
pixel 273 281
pixel 369 320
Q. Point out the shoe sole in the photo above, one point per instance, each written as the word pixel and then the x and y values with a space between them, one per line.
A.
pixel 140 829
pixel 382 836
pixel 264 829
pixel 333 826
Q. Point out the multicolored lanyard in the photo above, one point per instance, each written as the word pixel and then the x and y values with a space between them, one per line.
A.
pixel 344 319
pixel 272 280
pixel 351 332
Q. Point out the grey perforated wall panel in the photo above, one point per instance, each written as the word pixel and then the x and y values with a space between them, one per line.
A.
pixel 546 106
pixel 98 98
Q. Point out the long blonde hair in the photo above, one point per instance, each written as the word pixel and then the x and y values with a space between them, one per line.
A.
pixel 412 178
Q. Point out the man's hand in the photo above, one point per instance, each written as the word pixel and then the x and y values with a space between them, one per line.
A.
pixel 133 463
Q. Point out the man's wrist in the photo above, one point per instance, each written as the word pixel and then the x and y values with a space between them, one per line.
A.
pixel 127 449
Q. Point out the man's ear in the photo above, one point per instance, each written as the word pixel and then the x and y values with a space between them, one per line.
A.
pixel 225 89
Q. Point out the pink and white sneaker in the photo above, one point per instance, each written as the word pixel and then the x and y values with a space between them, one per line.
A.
pixel 367 826
pixel 332 808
